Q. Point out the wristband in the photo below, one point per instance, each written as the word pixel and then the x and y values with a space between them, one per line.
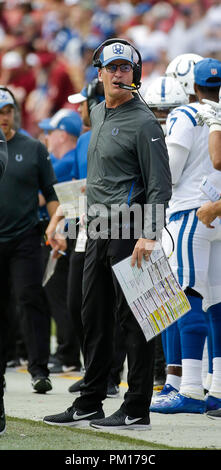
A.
pixel 215 127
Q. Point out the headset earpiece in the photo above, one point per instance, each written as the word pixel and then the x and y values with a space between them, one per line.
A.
pixel 137 68
pixel 95 91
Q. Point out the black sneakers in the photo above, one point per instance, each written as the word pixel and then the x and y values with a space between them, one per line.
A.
pixel 41 384
pixel 113 390
pixel 73 417
pixel 2 419
pixel 76 386
pixel 120 420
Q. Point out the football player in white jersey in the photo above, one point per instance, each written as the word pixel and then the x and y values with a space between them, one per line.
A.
pixel 182 68
pixel 196 258
pixel 164 95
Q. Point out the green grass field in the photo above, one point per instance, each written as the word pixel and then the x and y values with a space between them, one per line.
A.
pixel 22 434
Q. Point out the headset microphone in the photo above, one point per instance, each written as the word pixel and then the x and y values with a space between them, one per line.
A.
pixel 127 87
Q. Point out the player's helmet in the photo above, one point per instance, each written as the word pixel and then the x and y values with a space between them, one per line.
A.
pixel 182 68
pixel 165 93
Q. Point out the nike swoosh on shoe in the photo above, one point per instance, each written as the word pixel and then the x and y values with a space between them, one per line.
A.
pixel 76 417
pixel 129 421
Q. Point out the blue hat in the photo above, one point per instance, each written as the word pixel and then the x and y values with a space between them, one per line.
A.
pixel 5 98
pixel 206 70
pixel 65 120
pixel 116 51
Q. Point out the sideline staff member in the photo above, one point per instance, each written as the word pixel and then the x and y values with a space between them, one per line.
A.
pixel 29 170
pixel 127 164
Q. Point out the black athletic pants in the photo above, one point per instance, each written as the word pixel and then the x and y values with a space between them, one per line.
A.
pixel 74 292
pixel 75 280
pixel 21 269
pixel 102 296
pixel 68 349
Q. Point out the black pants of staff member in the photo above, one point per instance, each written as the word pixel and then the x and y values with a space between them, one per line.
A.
pixel 101 294
pixel 21 268
pixel 75 281
pixel 68 349
pixel 74 291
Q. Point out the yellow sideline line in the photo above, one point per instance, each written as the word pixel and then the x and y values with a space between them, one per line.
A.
pixel 65 376
pixel 78 377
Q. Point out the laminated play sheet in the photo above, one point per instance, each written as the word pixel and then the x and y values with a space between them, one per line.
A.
pixel 152 292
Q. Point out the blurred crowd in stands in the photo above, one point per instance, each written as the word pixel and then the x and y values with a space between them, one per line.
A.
pixel 46 46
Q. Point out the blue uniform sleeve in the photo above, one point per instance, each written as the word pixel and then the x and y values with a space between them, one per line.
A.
pixel 79 169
